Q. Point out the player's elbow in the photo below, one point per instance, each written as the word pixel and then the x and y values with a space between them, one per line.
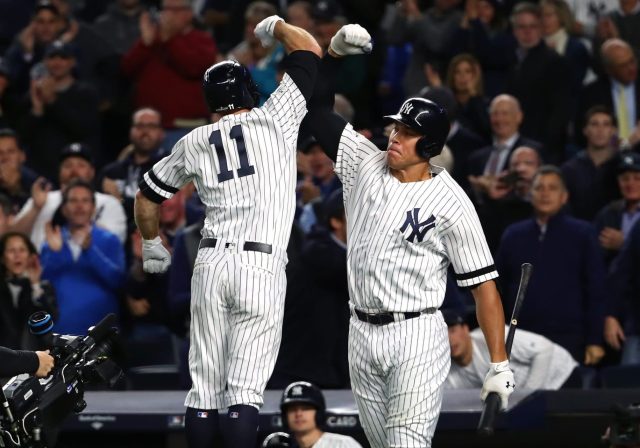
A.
pixel 315 48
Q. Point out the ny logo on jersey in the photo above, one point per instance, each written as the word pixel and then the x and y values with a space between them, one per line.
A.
pixel 406 108
pixel 509 385
pixel 418 229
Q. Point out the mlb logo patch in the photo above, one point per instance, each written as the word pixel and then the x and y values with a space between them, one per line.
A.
pixel 234 415
pixel 202 414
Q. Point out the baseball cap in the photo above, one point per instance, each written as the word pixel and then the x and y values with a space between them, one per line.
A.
pixel 46 4
pixel 59 48
pixel 629 161
pixel 452 316
pixel 326 11
pixel 76 150
pixel 306 144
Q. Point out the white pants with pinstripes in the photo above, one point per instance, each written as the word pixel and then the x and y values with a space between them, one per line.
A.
pixel 397 371
pixel 237 306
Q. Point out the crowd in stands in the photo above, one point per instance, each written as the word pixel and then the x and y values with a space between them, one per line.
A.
pixel 544 103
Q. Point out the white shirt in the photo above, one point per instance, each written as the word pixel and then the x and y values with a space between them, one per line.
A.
pixel 401 237
pixel 109 215
pixel 537 363
pixel 244 168
pixel 331 440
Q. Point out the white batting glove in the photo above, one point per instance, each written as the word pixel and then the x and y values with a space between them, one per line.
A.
pixel 155 257
pixel 351 39
pixel 264 30
pixel 500 380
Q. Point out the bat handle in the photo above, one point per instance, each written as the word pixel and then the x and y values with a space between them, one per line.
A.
pixel 489 412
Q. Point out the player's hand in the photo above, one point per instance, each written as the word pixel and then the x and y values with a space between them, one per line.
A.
pixel 500 380
pixel 45 364
pixel 351 39
pixel 264 30
pixel 155 257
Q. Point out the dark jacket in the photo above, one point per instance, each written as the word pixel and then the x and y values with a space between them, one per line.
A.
pixel 566 298
pixel 624 283
pixel 610 216
pixel 479 158
pixel 462 144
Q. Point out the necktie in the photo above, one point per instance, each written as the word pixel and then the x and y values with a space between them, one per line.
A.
pixel 623 114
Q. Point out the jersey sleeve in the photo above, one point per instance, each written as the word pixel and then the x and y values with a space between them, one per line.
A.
pixel 167 176
pixel 288 103
pixel 466 245
pixel 353 149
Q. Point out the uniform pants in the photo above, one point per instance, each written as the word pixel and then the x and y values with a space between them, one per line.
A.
pixel 397 371
pixel 237 306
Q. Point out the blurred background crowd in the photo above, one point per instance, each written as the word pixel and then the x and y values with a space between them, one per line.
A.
pixel 544 103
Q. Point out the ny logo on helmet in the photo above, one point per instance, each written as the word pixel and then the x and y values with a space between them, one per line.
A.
pixel 297 390
pixel 406 108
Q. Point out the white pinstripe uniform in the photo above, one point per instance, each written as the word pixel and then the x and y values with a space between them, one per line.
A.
pixel 402 237
pixel 244 168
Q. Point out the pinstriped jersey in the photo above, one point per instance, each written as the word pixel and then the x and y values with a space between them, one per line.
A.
pixel 331 440
pixel 244 168
pixel 403 236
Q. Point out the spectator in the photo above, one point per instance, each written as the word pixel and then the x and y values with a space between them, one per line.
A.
pixel 587 14
pixel 464 78
pixel 489 162
pixel 540 79
pixel 261 61
pixel 6 214
pixel 303 411
pixel 615 221
pixel 16 179
pixel 317 289
pixel 83 262
pixel 590 175
pixel 75 163
pixel 11 107
pixel 618 89
pixel 537 362
pixel 120 178
pixel 622 22
pixel 622 324
pixel 557 23
pixel 461 141
pixel 509 196
pixel 299 13
pixel 483 33
pixel 26 52
pixel 171 57
pixel 22 291
pixel 63 111
pixel 430 32
pixel 566 296
pixel 318 185
pixel 120 24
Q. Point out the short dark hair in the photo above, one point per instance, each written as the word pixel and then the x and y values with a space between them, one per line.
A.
pixel 526 8
pixel 7 236
pixel 600 109
pixel 10 133
pixel 551 169
pixel 75 183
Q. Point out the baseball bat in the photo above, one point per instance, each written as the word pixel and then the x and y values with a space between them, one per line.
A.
pixel 492 402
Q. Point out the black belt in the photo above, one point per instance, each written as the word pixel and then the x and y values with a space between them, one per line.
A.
pixel 388 317
pixel 248 245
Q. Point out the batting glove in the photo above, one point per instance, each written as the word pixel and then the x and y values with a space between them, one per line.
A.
pixel 264 30
pixel 351 39
pixel 155 258
pixel 500 380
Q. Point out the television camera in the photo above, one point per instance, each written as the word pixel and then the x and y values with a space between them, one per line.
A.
pixel 32 409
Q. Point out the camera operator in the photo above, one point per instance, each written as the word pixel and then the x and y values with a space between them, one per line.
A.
pixel 16 362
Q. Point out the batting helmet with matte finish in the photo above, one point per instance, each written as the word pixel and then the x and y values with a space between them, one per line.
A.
pixel 428 119
pixel 302 392
pixel 277 440
pixel 228 86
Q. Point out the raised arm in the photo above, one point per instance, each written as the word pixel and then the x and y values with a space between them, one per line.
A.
pixel 292 37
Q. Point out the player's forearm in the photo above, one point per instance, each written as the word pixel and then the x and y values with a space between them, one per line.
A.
pixel 491 318
pixel 294 38
pixel 147 215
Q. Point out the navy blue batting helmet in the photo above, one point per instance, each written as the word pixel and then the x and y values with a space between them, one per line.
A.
pixel 228 86
pixel 277 440
pixel 302 392
pixel 428 119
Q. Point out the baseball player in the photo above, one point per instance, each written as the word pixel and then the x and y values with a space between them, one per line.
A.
pixel 537 362
pixel 244 168
pixel 407 220
pixel 303 413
